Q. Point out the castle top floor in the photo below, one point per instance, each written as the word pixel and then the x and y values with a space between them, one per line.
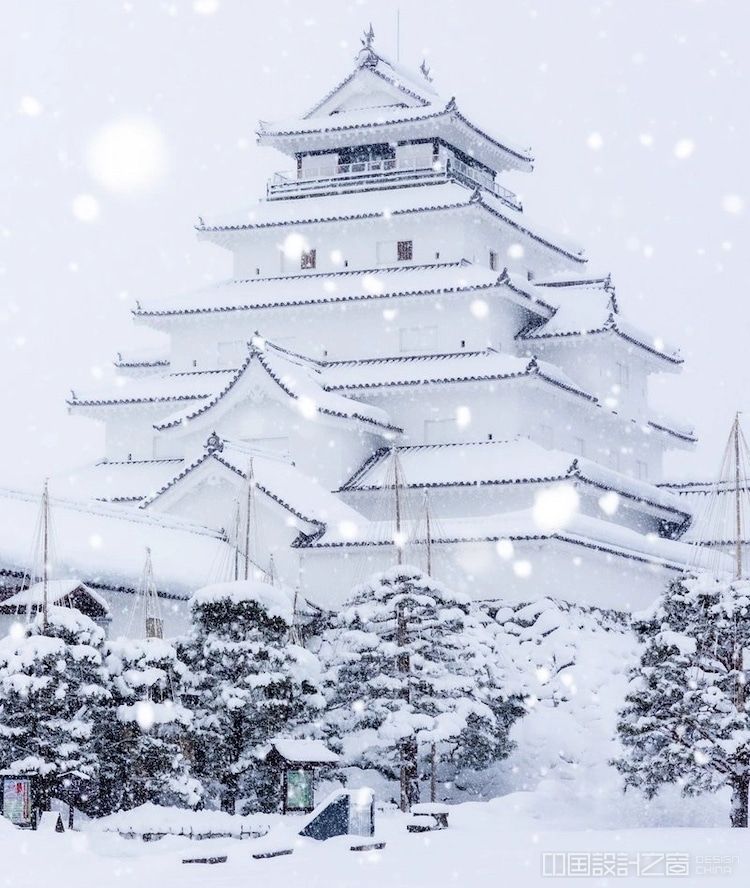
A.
pixel 383 123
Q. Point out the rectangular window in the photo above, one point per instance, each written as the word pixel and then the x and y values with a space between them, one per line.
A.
pixel 405 251
pixel 493 260
pixel 580 446
pixel 641 470
pixel 308 259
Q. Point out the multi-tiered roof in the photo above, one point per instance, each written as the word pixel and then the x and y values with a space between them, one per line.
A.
pixel 390 292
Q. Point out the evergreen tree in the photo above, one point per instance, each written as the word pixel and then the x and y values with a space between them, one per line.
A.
pixel 410 665
pixel 251 685
pixel 686 715
pixel 143 743
pixel 53 694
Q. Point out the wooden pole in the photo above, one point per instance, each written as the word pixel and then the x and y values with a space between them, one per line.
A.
pixel 397 503
pixel 249 519
pixel 737 499
pixel 237 524
pixel 433 772
pixel 45 553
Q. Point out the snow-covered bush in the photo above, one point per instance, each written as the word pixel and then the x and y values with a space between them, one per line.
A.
pixel 144 741
pixel 409 666
pixel 53 692
pixel 686 715
pixel 250 685
pixel 568 664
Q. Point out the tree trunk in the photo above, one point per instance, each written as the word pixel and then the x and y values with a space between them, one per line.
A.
pixel 740 786
pixel 409 774
pixel 228 798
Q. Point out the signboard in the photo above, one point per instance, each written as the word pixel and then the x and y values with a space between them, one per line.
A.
pixel 299 790
pixel 17 800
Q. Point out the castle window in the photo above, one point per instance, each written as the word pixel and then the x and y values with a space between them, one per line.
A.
pixel 405 251
pixel 493 260
pixel 308 259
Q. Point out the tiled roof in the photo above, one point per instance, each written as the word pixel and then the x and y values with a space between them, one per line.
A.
pixel 490 463
pixel 276 478
pixel 409 370
pixel 296 379
pixel 375 204
pixel 345 286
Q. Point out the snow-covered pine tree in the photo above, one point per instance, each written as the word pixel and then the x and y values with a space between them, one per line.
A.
pixel 409 665
pixel 251 685
pixel 686 715
pixel 53 694
pixel 143 743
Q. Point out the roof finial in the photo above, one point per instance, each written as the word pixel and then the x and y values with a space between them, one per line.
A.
pixel 425 69
pixel 368 37
pixel 213 444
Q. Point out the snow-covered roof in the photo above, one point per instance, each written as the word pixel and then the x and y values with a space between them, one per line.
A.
pixel 298 378
pixel 443 368
pixel 116 481
pixel 276 478
pixel 185 386
pixel 375 101
pixel 672 427
pixel 582 530
pixel 382 203
pixel 502 462
pixel 277 601
pixel 57 593
pixel 408 87
pixel 309 751
pixel 345 286
pixel 588 308
pixel 713 504
pixel 142 358
pixel 105 545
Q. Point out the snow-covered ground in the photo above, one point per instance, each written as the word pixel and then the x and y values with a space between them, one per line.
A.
pixel 497 843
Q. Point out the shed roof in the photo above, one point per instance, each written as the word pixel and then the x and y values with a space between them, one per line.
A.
pixel 304 751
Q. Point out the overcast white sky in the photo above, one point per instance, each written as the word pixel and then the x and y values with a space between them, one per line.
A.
pixel 603 92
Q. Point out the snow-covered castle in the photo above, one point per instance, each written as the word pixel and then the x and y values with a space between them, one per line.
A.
pixel 390 294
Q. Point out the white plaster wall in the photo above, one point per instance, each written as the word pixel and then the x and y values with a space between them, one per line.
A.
pixel 468 233
pixel 559 570
pixel 367 328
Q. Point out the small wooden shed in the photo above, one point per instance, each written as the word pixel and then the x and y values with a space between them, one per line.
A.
pixel 60 593
pixel 297 762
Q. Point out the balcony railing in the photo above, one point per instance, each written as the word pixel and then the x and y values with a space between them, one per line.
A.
pixel 484 180
pixel 345 176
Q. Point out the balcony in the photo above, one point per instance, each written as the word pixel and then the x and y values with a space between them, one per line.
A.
pixel 339 178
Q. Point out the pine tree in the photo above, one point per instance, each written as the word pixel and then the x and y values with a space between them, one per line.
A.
pixel 251 685
pixel 53 694
pixel 686 715
pixel 143 743
pixel 410 665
